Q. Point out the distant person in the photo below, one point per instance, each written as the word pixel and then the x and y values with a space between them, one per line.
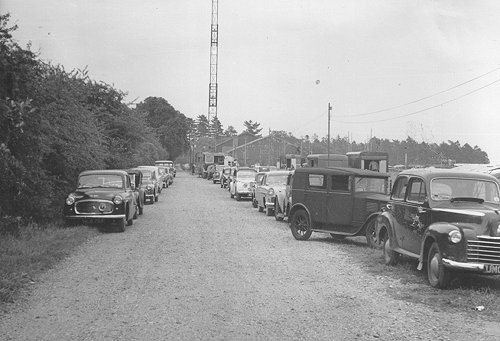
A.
pixel 193 168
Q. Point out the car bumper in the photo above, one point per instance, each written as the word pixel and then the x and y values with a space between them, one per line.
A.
pixel 95 216
pixel 472 267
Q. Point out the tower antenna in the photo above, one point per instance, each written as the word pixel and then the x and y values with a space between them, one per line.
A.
pixel 214 41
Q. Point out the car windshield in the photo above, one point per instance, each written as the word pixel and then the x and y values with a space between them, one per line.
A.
pixel 277 179
pixel 100 181
pixel 449 188
pixel 367 184
pixel 246 175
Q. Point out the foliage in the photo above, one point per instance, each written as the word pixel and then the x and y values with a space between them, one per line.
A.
pixel 202 126
pixel 252 128
pixel 230 131
pixel 216 127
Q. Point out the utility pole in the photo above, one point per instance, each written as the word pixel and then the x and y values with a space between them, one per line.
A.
pixel 214 47
pixel 269 151
pixel 329 111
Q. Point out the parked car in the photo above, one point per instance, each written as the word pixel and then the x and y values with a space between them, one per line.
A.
pixel 447 219
pixel 257 182
pixel 240 185
pixel 167 163
pixel 225 177
pixel 283 200
pixel 232 175
pixel 164 176
pixel 135 175
pixel 102 195
pixel 265 193
pixel 217 174
pixel 336 200
pixel 152 182
pixel 171 175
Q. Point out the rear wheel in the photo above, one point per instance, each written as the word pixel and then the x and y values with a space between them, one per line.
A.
pixel 390 256
pixel 437 274
pixel 255 204
pixel 300 225
pixel 269 211
pixel 371 236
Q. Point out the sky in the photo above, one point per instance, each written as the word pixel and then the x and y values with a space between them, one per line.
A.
pixel 389 68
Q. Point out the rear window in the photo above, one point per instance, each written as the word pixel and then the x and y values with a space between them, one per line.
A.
pixel 317 181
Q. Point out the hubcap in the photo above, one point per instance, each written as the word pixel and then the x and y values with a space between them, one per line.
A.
pixel 434 267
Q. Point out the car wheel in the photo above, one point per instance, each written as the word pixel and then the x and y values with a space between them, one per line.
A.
pixel 300 225
pixel 120 225
pixel 371 236
pixel 277 212
pixel 390 256
pixel 156 197
pixel 254 203
pixel 129 221
pixel 238 197
pixel 437 274
pixel 261 209
pixel 141 210
pixel 136 213
pixel 231 194
pixel 269 211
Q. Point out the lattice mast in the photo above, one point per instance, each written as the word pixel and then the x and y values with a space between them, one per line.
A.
pixel 214 41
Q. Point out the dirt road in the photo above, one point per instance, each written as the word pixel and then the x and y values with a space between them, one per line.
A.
pixel 199 265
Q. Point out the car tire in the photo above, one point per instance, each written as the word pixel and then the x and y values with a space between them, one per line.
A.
pixel 141 210
pixel 277 212
pixel 231 194
pixel 437 274
pixel 120 225
pixel 254 203
pixel 371 236
pixel 136 213
pixel 129 221
pixel 390 256
pixel 261 209
pixel 300 225
pixel 156 197
pixel 269 211
pixel 238 197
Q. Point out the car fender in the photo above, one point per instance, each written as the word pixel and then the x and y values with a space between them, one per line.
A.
pixel 384 224
pixel 372 216
pixel 439 233
pixel 298 206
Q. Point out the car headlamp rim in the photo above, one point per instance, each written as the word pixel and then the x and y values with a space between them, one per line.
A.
pixel 70 200
pixel 455 236
pixel 117 200
pixel 498 230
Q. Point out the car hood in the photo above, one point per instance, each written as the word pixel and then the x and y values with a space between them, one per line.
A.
pixel 97 193
pixel 478 219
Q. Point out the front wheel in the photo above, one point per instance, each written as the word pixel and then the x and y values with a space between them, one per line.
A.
pixel 238 197
pixel 269 211
pixel 300 225
pixel 437 274
pixel 277 212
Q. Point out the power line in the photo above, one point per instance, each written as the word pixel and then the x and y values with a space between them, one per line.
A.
pixel 426 97
pixel 422 110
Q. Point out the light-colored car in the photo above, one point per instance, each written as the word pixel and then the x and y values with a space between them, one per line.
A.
pixel 283 200
pixel 265 193
pixel 216 178
pixel 258 181
pixel 241 183
pixel 151 178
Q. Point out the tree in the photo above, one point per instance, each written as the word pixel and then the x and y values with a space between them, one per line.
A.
pixel 216 127
pixel 230 131
pixel 202 126
pixel 252 128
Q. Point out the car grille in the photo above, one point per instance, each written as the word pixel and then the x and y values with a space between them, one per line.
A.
pixel 94 207
pixel 484 250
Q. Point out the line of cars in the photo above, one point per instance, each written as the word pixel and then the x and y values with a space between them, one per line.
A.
pixel 448 220
pixel 114 195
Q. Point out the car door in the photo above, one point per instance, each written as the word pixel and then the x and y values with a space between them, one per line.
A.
pixel 415 215
pixel 339 203
pixel 315 199
pixel 396 208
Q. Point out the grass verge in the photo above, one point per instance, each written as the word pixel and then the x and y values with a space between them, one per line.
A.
pixel 26 256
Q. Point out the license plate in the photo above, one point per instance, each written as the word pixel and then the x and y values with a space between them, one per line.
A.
pixel 491 269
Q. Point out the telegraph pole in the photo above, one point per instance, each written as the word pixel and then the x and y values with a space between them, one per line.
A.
pixel 329 118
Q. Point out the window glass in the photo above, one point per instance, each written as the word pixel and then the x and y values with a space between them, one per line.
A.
pixel 448 188
pixel 340 183
pixel 317 181
pixel 370 184
pixel 399 189
pixel 417 191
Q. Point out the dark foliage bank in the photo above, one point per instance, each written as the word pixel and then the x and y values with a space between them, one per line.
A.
pixel 55 123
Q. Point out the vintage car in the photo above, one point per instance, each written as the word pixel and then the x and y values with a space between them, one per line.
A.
pixel 102 196
pixel 337 200
pixel 168 164
pixel 225 177
pixel 135 175
pixel 447 219
pixel 217 174
pixel 272 183
pixel 171 175
pixel 151 181
pixel 283 200
pixel 241 183
pixel 257 182
pixel 164 176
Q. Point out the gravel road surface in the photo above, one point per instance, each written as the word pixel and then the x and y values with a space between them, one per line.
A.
pixel 199 265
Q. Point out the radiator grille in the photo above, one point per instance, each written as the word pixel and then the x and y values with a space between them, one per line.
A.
pixel 94 207
pixel 484 250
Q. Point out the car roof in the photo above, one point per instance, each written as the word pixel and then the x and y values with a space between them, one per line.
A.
pixel 277 172
pixel 246 168
pixel 104 171
pixel 342 170
pixel 431 173
pixel 134 170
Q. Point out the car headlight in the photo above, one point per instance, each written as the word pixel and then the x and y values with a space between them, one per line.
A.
pixel 117 200
pixel 70 200
pixel 455 236
pixel 498 230
pixel 150 187
pixel 270 191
